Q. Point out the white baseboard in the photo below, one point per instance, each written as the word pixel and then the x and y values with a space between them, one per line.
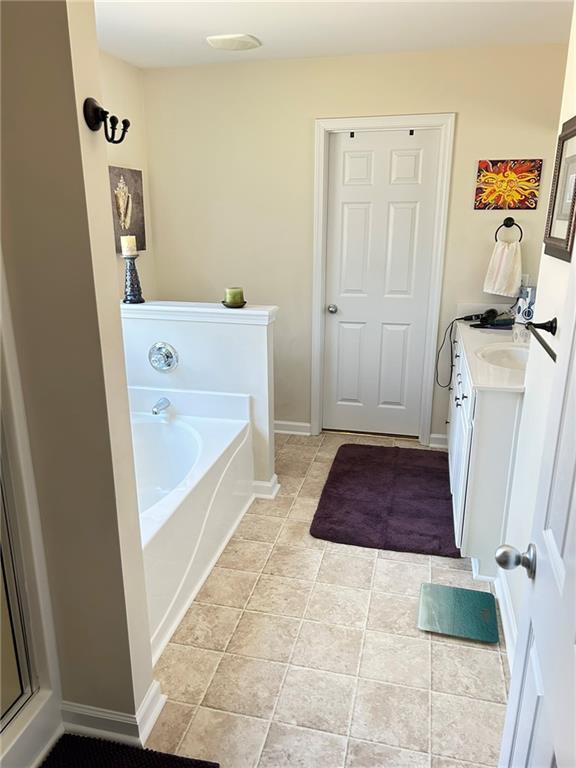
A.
pixel 109 724
pixel 438 441
pixel 293 427
pixel 266 489
pixel 29 737
pixel 508 616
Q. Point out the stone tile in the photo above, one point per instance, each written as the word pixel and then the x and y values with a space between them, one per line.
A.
pixel 319 700
pixel 303 510
pixel 312 487
pixel 245 686
pixel 184 672
pixel 463 642
pixel 447 762
pixel 384 441
pixel 292 467
pixel 454 563
pixel 307 440
pixel 391 714
pixel 467 672
pixel 466 729
pixel 264 636
pixel 233 741
pixel 291 747
pixel 244 555
pixel 401 442
pixel 226 587
pixel 338 605
pixel 170 727
pixel 274 594
pixel 294 562
pixel 336 439
pixel 405 557
pixel 396 659
pixel 289 486
pixel 258 528
pixel 328 647
pixel 351 549
pixel 298 452
pixel 400 578
pixel 453 578
pixel 346 570
pixel 319 470
pixel 278 507
pixel 506 671
pixel 207 626
pixel 297 534
pixel 395 614
pixel 280 438
pixel 363 754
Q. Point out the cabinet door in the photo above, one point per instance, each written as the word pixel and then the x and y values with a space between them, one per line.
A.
pixel 460 459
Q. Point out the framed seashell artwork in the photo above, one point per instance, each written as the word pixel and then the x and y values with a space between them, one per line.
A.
pixel 127 198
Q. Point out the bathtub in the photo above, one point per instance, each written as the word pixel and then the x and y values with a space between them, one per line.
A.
pixel 194 477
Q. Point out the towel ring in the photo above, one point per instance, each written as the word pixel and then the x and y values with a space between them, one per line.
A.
pixel 509 222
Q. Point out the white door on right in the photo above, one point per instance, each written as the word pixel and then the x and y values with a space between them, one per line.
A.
pixel 540 729
pixel 382 214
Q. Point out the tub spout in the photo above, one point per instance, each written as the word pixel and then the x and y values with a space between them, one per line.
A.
pixel 161 405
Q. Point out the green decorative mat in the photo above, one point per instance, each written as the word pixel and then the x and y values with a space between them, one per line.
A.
pixel 458 612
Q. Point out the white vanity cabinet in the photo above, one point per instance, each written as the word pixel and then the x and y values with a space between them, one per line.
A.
pixel 484 415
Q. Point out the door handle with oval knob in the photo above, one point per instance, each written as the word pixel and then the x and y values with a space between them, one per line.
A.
pixel 332 308
pixel 509 558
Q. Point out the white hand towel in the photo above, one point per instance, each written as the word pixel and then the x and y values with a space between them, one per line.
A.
pixel 504 274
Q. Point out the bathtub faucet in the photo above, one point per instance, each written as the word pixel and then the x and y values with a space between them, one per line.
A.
pixel 161 405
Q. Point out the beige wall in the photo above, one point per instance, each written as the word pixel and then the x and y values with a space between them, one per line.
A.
pixel 123 95
pixel 231 155
pixel 56 237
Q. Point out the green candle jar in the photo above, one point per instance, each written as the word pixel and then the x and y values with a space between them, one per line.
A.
pixel 234 297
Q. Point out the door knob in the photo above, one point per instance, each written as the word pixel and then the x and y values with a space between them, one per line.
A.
pixel 332 308
pixel 509 558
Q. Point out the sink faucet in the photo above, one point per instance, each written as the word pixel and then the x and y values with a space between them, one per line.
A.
pixel 161 405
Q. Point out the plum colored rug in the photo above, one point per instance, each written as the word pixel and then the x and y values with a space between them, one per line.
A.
pixel 388 498
pixel 72 751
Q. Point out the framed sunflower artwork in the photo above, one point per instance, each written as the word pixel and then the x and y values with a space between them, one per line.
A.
pixel 507 185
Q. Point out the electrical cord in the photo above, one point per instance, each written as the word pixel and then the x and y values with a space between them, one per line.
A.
pixel 448 332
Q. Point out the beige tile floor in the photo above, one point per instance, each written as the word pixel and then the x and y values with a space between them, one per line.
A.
pixel 300 653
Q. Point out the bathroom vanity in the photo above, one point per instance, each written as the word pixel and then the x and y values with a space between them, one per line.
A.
pixel 485 407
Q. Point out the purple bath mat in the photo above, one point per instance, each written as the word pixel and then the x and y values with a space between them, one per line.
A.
pixel 388 498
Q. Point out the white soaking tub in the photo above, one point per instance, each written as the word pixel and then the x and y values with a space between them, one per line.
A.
pixel 194 476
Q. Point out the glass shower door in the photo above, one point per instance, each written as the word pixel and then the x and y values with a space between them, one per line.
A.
pixel 15 668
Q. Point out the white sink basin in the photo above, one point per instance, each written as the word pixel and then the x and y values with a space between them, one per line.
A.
pixel 511 356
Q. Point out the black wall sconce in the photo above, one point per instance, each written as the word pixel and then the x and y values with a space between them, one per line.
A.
pixel 96 116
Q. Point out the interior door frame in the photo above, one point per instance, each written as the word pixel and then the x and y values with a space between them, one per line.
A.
pixel 324 129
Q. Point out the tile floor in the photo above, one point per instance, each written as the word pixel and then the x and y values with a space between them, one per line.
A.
pixel 300 653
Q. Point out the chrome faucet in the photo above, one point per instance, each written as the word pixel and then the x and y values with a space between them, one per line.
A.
pixel 161 405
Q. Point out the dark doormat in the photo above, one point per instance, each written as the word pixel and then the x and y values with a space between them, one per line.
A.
pixel 71 751
pixel 388 498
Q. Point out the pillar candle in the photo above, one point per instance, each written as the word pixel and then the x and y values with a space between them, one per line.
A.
pixel 234 296
pixel 128 245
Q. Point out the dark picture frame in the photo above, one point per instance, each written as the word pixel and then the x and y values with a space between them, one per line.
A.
pixel 561 219
pixel 127 198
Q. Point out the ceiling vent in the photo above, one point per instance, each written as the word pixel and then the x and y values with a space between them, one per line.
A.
pixel 233 42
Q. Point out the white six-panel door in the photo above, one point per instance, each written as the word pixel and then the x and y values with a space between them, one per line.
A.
pixel 381 214
pixel 540 730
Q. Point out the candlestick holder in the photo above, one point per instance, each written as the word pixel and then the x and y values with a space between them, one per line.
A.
pixel 132 288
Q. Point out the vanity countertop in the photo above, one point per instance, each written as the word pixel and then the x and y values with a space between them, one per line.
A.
pixel 485 375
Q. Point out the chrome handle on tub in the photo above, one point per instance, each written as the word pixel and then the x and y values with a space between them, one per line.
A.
pixel 163 357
